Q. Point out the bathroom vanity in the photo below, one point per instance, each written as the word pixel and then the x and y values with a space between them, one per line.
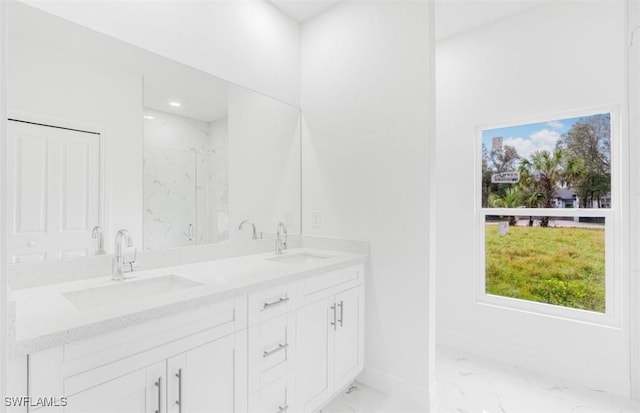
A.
pixel 258 333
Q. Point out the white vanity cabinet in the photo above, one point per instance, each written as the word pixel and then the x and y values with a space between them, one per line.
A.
pixel 187 363
pixel 202 379
pixel 330 336
pixel 286 348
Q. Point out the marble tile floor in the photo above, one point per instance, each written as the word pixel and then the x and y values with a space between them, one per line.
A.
pixel 472 384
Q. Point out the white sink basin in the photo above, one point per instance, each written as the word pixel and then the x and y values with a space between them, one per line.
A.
pixel 120 292
pixel 299 258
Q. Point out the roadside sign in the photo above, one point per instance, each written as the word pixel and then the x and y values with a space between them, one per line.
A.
pixel 505 178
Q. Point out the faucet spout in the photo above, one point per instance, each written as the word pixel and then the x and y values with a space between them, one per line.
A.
pixel 253 226
pixel 96 233
pixel 280 243
pixel 118 258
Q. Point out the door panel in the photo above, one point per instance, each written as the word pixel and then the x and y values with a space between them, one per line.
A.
pixel 348 336
pixel 208 379
pixel 54 191
pixel 314 341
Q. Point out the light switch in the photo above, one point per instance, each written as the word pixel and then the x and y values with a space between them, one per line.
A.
pixel 315 219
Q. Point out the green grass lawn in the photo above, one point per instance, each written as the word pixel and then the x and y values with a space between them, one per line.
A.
pixel 562 266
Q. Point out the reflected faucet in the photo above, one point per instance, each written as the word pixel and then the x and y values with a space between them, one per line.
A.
pixel 96 233
pixel 246 221
pixel 280 244
pixel 118 258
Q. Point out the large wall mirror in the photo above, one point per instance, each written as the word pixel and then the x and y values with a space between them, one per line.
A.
pixel 104 135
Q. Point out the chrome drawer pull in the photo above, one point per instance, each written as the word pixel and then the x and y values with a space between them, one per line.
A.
pixel 159 385
pixel 179 401
pixel 341 305
pixel 275 350
pixel 283 409
pixel 334 323
pixel 280 300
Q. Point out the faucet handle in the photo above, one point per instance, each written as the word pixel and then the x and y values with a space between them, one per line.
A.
pixel 133 261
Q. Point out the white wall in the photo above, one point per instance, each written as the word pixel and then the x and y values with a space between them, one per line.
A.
pixel 52 86
pixel 366 99
pixel 558 57
pixel 229 39
pixel 264 163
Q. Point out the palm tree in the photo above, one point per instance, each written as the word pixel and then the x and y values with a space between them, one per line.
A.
pixel 543 173
pixel 512 198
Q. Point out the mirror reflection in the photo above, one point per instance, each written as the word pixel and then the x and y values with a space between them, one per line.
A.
pixel 109 136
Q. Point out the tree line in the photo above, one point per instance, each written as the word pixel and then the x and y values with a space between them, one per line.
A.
pixel 581 160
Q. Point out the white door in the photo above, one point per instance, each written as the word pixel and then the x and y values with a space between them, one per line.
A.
pixel 348 342
pixel 203 380
pixel 54 192
pixel 314 352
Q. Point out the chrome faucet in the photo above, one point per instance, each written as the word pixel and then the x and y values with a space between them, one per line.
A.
pixel 96 233
pixel 118 257
pixel 246 221
pixel 280 244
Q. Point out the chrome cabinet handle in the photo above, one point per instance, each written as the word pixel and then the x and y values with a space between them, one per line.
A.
pixel 272 304
pixel 341 305
pixel 334 323
pixel 159 385
pixel 275 350
pixel 179 401
pixel 190 234
pixel 283 409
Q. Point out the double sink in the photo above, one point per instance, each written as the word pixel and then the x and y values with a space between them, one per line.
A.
pixel 117 293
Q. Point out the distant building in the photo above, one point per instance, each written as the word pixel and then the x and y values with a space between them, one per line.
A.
pixel 567 198
pixel 496 143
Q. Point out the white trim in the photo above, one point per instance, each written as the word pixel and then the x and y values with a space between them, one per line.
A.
pixel 4 333
pixel 559 115
pixel 614 235
pixel 633 233
pixel 394 386
pixel 579 373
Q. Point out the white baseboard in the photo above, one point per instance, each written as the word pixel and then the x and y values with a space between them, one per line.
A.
pixel 396 387
pixel 579 374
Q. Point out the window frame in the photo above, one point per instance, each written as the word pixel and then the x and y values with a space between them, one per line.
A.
pixel 613 237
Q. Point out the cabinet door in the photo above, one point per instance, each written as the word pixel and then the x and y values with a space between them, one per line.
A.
pixel 135 392
pixel 204 379
pixel 348 340
pixel 314 332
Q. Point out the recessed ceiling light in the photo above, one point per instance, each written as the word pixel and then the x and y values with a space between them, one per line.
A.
pixel 175 104
pixel 149 117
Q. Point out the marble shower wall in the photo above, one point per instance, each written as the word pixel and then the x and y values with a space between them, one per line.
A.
pixel 185 181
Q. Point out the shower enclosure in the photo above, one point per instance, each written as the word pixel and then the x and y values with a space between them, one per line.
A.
pixel 180 198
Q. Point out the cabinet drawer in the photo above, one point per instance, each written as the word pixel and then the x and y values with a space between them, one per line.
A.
pixel 277 397
pixel 270 303
pixel 329 283
pixel 271 350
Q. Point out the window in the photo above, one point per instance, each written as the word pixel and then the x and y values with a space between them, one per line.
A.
pixel 546 216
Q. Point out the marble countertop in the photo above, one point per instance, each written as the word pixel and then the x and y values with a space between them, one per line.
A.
pixel 45 318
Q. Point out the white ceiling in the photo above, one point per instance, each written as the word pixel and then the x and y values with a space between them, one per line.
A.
pixel 459 16
pixel 452 16
pixel 303 10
